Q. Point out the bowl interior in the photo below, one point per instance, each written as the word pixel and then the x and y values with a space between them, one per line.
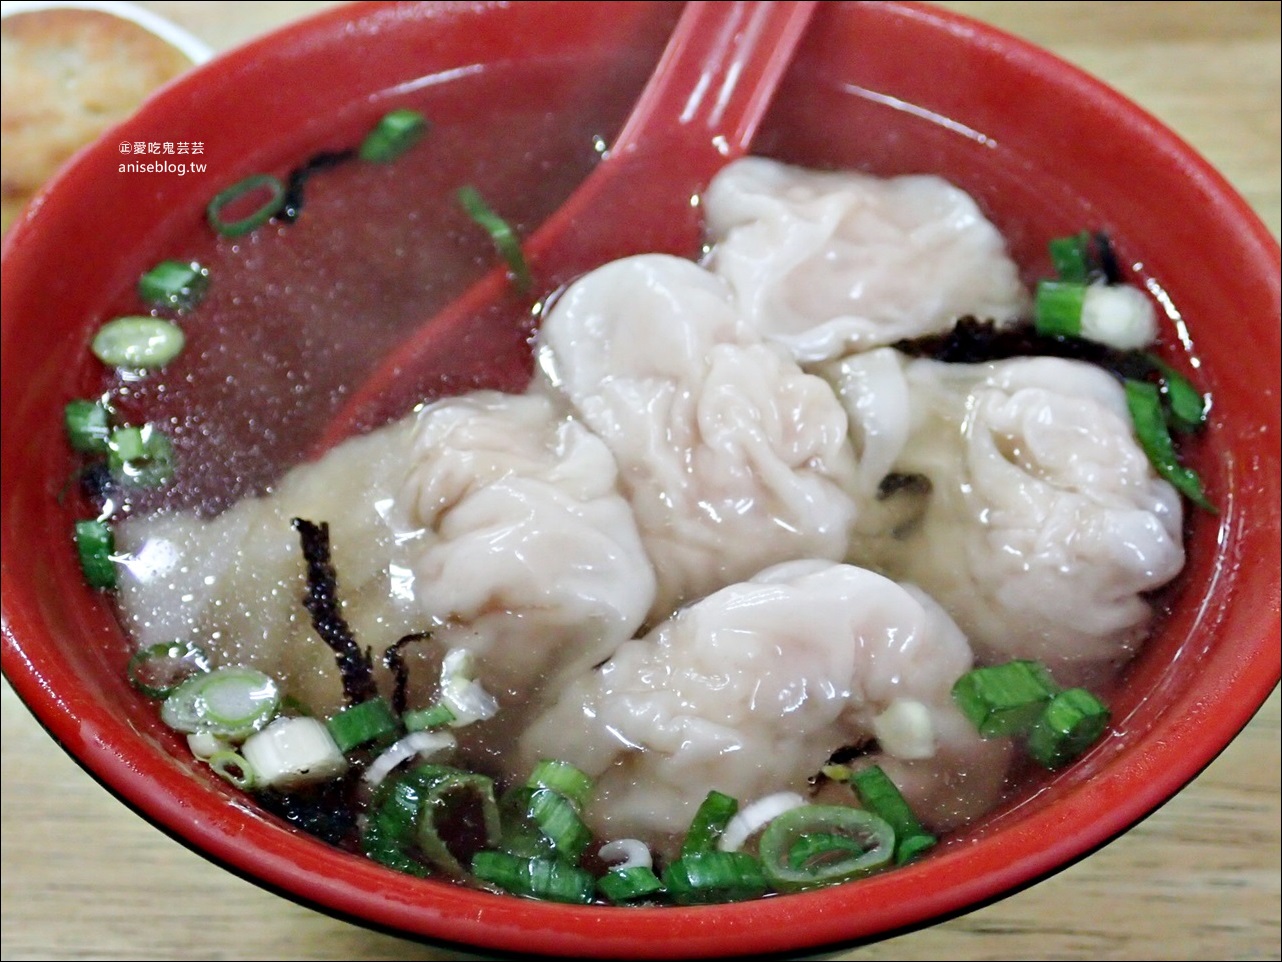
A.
pixel 516 100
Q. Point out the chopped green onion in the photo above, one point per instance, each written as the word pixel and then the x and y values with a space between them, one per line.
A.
pixel 389 834
pixel 95 544
pixel 882 797
pixel 434 716
pixel 1185 405
pixel 233 702
pixel 137 343
pixel 557 819
pixel 394 134
pixel 1004 699
pixel 521 834
pixel 1057 308
pixel 142 457
pixel 176 284
pixel 540 878
pixel 710 821
pixel 628 884
pixel 702 878
pixel 444 792
pixel 88 424
pixel 261 215
pixel 232 767
pixel 1071 723
pixel 359 724
pixel 818 864
pixel 1145 403
pixel 564 778
pixel 501 234
pixel 1071 257
pixel 158 669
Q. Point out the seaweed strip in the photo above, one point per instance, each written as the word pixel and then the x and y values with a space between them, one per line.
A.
pixel 973 341
pixel 292 203
pixel 394 661
pixel 321 601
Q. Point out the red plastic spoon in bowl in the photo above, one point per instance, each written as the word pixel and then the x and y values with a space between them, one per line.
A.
pixel 698 112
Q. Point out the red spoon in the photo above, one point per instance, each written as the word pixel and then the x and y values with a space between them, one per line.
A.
pixel 698 112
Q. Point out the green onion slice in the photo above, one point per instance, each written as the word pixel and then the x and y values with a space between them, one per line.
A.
pixel 158 669
pixel 1071 257
pixel 1145 403
pixel 882 797
pixel 451 793
pixel 233 702
pixel 424 719
pixel 176 284
pixel 95 544
pixel 702 878
pixel 710 821
pixel 564 778
pixel 255 184
pixel 359 724
pixel 88 425
pixel 232 767
pixel 394 134
pixel 1071 723
pixel 1057 308
pixel 797 854
pixel 558 819
pixel 501 234
pixel 539 878
pixel 137 343
pixel 141 457
pixel 521 834
pixel 1185 405
pixel 1004 699
pixel 628 884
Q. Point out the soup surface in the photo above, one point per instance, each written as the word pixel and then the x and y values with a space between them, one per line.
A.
pixel 298 314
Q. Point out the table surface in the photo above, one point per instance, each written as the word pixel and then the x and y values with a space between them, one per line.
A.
pixel 85 878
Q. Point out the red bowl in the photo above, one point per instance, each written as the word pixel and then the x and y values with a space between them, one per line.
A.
pixel 958 107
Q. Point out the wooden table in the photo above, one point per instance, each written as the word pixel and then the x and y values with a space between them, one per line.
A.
pixel 84 878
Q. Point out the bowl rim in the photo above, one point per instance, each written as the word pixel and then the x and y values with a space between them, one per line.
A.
pixel 305 870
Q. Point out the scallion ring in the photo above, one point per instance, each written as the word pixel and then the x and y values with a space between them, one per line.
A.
pixel 394 134
pixel 137 343
pixel 882 797
pixel 233 702
pixel 709 823
pixel 1071 723
pixel 540 878
pixel 175 284
pixel 1004 699
pixel 232 767
pixel 564 778
pixel 140 457
pixel 88 425
pixel 95 545
pixel 158 669
pixel 798 853
pixel 261 215
pixel 1144 401
pixel 703 878
pixel 501 234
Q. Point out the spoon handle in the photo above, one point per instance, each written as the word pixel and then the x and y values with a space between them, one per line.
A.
pixel 718 74
pixel 698 112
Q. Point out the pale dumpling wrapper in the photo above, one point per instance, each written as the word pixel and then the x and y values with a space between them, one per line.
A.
pixel 830 262
pixel 731 457
pixel 751 690
pixel 521 548
pixel 490 520
pixel 234 584
pixel 1044 526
